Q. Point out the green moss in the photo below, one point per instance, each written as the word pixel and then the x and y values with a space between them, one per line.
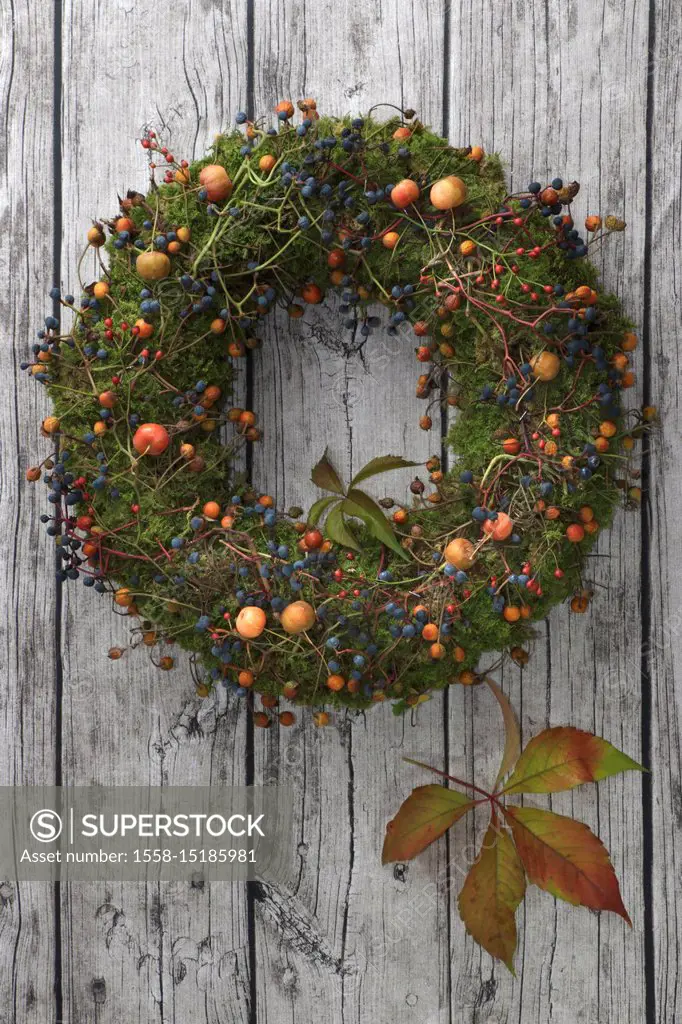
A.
pixel 247 254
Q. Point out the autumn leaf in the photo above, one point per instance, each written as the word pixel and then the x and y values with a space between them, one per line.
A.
pixel 426 814
pixel 492 891
pixel 512 733
pixel 564 757
pixel 565 858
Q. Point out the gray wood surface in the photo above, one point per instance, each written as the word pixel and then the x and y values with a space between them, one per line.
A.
pixel 571 88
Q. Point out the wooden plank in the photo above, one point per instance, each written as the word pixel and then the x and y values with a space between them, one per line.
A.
pixel 663 559
pixel 350 939
pixel 520 84
pixel 28 696
pixel 165 952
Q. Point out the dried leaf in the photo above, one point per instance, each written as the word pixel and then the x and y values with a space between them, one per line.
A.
pixel 361 505
pixel 325 476
pixel 337 529
pixel 426 814
pixel 512 733
pixel 492 891
pixel 562 758
pixel 565 858
pixel 319 508
pixel 382 464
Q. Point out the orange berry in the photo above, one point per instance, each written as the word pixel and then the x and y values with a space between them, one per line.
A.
pixel 511 446
pixel 403 132
pixel 285 107
pixel 405 193
pixel 575 533
pixel 601 444
pixel 585 514
pixel 250 622
pixel 297 617
pixel 476 153
pixel 101 289
pixel 311 293
pixel 321 718
pixel 390 239
pixel 336 683
pixel 460 553
pixel 467 248
pixel 608 428
pixel 500 528
pixel 267 162
pixel 448 193
pixel 261 720
pixel 459 654
pixel 466 677
pixel 592 223
pixel 286 718
pixel 151 439
pixel 546 365
pixel 144 330
pixel 183 234
pixel 211 510
pixel 437 651
pixel 629 342
pixel 430 631
pixel 218 325
pixel 246 678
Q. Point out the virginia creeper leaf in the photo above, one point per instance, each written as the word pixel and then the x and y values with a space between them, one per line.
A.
pixel 337 529
pixel 565 858
pixel 426 814
pixel 512 733
pixel 361 505
pixel 325 476
pixel 382 464
pixel 320 506
pixel 492 891
pixel 564 757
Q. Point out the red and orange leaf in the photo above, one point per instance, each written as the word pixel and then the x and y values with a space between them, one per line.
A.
pixel 564 757
pixel 426 814
pixel 565 858
pixel 492 891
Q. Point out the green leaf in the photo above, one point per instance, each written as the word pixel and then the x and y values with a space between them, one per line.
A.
pixel 382 464
pixel 361 505
pixel 562 758
pixel 426 814
pixel 319 508
pixel 337 529
pixel 492 891
pixel 325 476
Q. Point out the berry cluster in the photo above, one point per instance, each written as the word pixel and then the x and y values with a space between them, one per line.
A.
pixel 344 604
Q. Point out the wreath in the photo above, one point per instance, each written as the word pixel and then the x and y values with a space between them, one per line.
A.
pixel 353 601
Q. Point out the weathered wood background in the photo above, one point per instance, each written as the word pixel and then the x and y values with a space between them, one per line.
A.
pixel 590 91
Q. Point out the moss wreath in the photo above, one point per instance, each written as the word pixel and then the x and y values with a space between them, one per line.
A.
pixel 344 604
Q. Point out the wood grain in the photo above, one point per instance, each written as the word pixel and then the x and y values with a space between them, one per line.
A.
pixel 28 656
pixel 362 952
pixel 520 85
pixel 664 650
pixel 557 87
pixel 164 953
